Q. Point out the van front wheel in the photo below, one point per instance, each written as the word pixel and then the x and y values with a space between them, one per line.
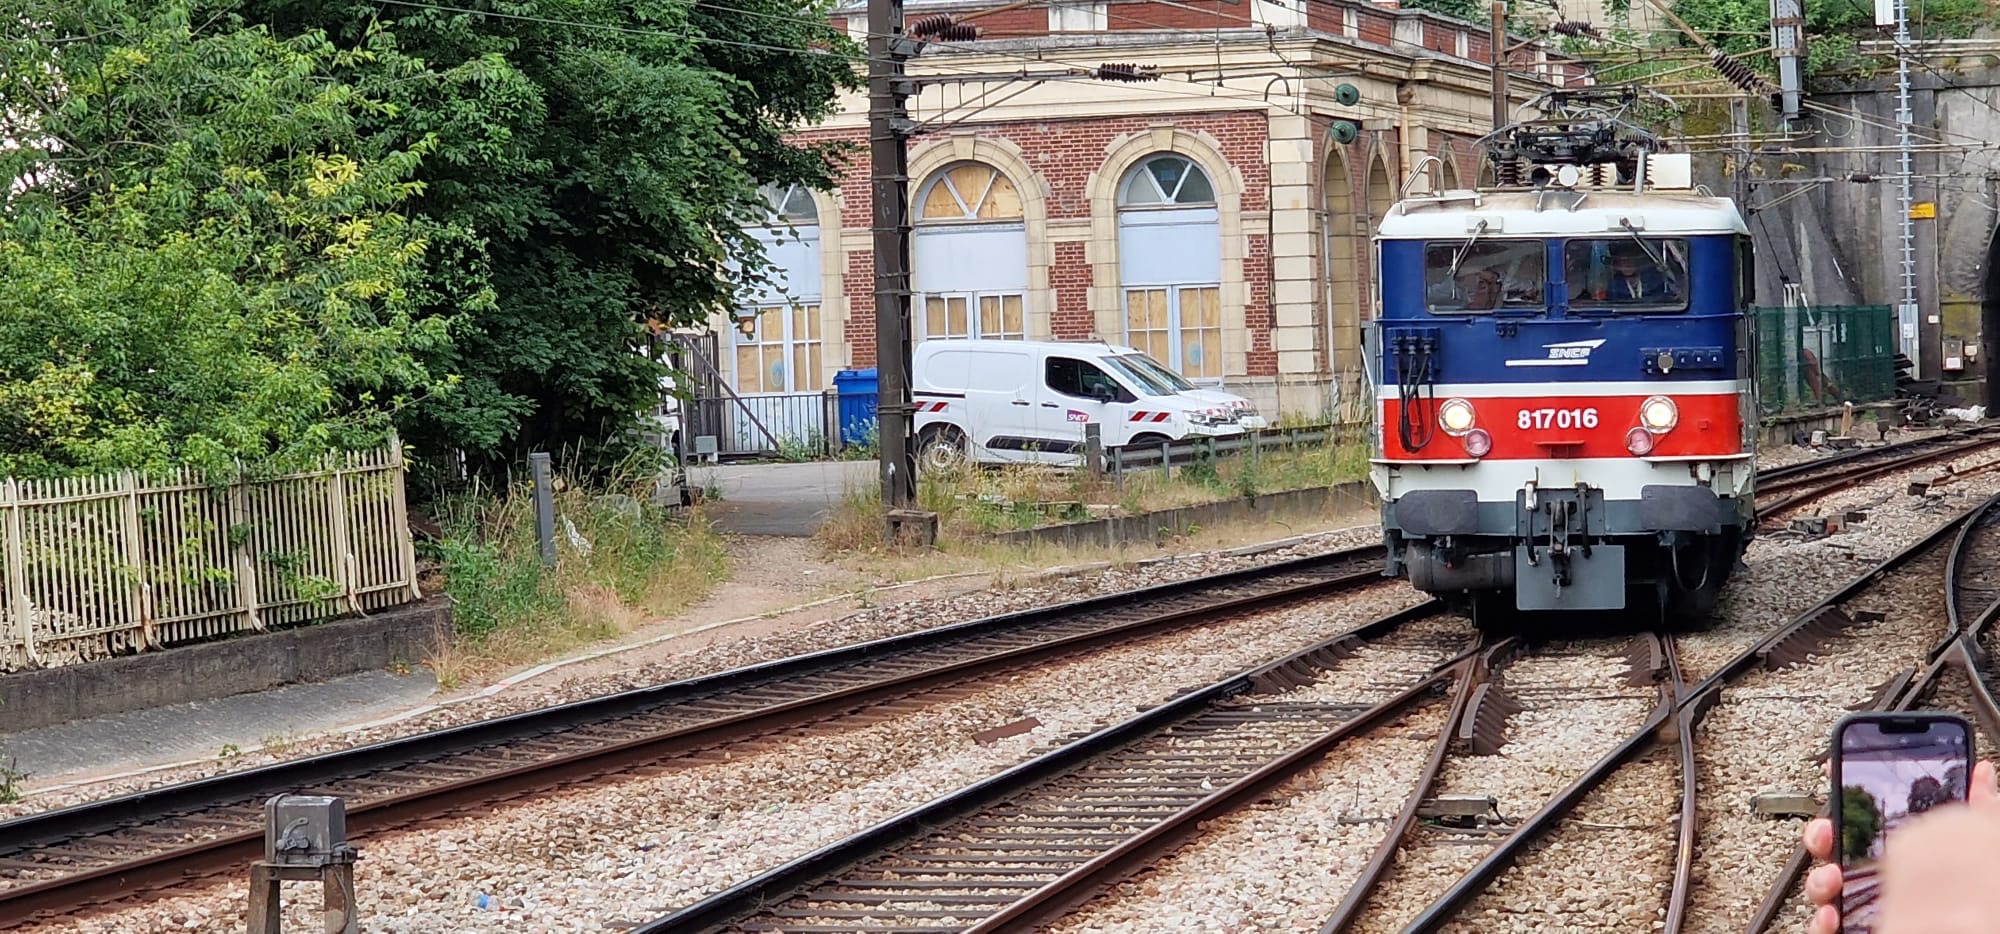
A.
pixel 941 449
pixel 1147 440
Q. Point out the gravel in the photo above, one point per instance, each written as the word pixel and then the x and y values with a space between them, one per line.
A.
pixel 876 623
pixel 1607 866
pixel 1768 728
pixel 1576 706
pixel 581 859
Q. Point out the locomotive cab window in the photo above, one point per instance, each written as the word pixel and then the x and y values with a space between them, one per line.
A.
pixel 1473 276
pixel 1627 273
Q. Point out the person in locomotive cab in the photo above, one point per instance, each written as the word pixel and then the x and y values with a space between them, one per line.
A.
pixel 1482 288
pixel 1635 277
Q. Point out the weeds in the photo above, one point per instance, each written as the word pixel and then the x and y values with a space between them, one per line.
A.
pixel 10 782
pixel 640 563
pixel 973 501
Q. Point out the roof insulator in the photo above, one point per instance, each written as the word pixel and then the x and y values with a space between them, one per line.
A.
pixel 926 26
pixel 1126 71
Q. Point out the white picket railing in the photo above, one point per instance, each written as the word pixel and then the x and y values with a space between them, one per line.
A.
pixel 116 563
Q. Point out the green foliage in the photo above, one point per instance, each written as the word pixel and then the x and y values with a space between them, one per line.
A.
pixel 1860 821
pixel 198 262
pixel 1742 28
pixel 261 229
pixel 599 158
pixel 640 563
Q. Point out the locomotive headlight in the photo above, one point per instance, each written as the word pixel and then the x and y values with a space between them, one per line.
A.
pixel 1639 441
pixel 1659 414
pixel 1455 415
pixel 1478 443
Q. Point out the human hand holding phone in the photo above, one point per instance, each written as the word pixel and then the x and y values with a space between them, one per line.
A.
pixel 1899 831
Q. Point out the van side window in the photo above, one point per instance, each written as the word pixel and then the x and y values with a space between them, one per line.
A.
pixel 1084 380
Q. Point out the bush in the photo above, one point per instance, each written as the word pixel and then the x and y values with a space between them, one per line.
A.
pixel 622 563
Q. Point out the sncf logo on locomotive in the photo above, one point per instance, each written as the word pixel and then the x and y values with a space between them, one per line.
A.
pixel 1564 353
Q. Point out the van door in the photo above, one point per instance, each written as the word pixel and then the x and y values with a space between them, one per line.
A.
pixel 1000 391
pixel 1075 393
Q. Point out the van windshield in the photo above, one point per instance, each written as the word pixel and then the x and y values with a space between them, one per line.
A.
pixel 1174 381
pixel 1144 380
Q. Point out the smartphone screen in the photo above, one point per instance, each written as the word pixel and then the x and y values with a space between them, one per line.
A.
pixel 1889 768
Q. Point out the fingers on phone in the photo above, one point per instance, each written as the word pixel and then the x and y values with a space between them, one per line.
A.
pixel 1823 884
pixel 1984 790
pixel 1819 838
pixel 1825 920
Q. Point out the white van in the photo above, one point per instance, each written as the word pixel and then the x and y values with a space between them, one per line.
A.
pixel 1026 402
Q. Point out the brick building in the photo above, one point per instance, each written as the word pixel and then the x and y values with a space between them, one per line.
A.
pixel 1208 217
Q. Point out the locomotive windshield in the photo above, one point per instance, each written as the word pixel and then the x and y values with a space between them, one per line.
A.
pixel 1627 273
pixel 1484 275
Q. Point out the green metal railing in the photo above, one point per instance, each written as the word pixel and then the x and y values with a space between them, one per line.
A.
pixel 1818 356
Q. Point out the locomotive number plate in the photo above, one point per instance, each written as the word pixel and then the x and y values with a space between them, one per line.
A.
pixel 1530 419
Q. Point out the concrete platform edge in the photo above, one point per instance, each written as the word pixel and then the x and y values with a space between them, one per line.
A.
pixel 407 635
pixel 1149 527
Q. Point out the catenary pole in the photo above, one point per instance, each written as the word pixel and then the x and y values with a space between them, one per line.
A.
pixel 888 150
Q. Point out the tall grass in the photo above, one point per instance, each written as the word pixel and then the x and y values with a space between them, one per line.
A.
pixel 622 562
pixel 975 500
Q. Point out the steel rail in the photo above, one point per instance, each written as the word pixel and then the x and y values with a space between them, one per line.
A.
pixel 1470 678
pixel 1475 880
pixel 1807 470
pixel 1814 485
pixel 1958 649
pixel 1686 707
pixel 122 880
pixel 779 883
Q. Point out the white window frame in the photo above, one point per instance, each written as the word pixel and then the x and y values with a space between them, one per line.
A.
pixel 1176 337
pixel 920 315
pixel 1141 173
pixel 789 344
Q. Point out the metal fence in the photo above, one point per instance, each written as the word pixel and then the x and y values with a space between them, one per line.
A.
pixel 797 424
pixel 1819 356
pixel 105 565
pixel 1119 461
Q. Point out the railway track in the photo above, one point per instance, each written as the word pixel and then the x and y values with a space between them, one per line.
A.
pixel 1026 845
pixel 129 847
pixel 1784 489
pixel 122 847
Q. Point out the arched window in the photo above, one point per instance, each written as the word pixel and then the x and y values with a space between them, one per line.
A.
pixel 792 203
pixel 776 337
pixel 1170 264
pixel 970 255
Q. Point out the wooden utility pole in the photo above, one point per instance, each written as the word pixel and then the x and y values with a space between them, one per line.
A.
pixel 888 150
pixel 1499 43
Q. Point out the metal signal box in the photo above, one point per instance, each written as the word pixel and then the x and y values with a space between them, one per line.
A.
pixel 306 830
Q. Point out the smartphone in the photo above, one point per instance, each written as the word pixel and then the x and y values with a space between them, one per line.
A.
pixel 1887 769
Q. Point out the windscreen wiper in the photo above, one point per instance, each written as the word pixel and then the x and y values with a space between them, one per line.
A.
pixel 1465 248
pixel 1659 262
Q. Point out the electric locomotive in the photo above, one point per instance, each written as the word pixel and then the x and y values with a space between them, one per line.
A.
pixel 1563 372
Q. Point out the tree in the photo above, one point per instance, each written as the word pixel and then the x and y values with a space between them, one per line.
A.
pixel 1860 821
pixel 196 263
pixel 601 156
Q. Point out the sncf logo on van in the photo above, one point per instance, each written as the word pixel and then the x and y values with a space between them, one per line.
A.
pixel 1077 416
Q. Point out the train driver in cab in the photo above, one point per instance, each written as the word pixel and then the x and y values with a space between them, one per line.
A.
pixel 1635 277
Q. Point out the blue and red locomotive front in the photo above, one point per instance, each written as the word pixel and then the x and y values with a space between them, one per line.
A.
pixel 1565 402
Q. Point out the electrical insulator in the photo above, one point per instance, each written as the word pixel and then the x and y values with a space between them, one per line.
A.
pixel 1739 74
pixel 958 32
pixel 1576 28
pixel 926 26
pixel 1126 71
pixel 1507 172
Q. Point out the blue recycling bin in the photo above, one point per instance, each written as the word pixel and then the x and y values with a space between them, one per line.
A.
pixel 857 390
